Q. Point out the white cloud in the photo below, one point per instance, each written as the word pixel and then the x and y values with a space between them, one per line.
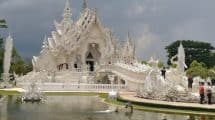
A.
pixel 136 8
pixel 29 20
pixel 148 44
pixel 14 4
pixel 194 29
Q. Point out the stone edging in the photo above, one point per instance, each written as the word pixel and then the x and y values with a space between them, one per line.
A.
pixel 171 107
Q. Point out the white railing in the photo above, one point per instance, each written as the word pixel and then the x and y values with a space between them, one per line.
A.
pixel 124 73
pixel 77 87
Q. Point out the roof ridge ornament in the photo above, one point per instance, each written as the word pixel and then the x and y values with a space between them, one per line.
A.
pixel 129 38
pixel 96 17
pixel 67 12
pixel 84 5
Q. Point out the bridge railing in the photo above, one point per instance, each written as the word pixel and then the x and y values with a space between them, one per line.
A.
pixel 76 87
pixel 127 73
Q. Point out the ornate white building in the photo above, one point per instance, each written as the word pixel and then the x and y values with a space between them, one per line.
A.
pixel 81 44
pixel 77 47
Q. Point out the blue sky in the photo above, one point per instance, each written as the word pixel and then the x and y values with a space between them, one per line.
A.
pixel 153 23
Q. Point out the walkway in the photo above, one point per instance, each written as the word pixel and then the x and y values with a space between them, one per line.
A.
pixel 168 104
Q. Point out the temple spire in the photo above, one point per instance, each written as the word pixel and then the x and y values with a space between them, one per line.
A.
pixel 128 35
pixel 129 39
pixel 84 5
pixel 67 12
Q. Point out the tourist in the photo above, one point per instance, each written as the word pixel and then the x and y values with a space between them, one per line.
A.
pixel 202 92
pixel 209 92
pixel 163 72
pixel 213 81
pixel 190 82
pixel 14 83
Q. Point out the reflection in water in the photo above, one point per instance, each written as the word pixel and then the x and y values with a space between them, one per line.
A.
pixel 3 108
pixel 78 108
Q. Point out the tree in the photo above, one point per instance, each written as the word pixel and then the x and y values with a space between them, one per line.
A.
pixel 3 23
pixel 211 73
pixel 160 64
pixel 18 65
pixel 197 69
pixel 194 50
pixel 144 62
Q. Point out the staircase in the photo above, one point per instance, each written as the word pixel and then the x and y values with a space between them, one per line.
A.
pixel 70 76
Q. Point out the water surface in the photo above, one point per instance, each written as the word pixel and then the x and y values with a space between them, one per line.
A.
pixel 78 108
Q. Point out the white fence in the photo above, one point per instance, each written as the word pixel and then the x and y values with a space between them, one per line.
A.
pixel 76 87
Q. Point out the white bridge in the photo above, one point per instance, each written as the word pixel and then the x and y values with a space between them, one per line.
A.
pixel 77 81
pixel 77 87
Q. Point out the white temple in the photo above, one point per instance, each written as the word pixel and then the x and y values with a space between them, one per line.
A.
pixel 81 44
pixel 80 55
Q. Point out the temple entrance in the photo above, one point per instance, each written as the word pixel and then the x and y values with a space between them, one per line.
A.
pixel 90 61
pixel 91 65
pixel 63 66
pixel 92 55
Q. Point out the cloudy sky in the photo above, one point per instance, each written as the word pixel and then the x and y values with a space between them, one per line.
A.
pixel 153 23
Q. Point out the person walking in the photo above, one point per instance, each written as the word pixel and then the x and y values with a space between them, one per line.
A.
pixel 209 92
pixel 190 83
pixel 163 72
pixel 202 92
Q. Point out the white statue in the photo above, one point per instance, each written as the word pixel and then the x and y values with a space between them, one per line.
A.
pixel 181 59
pixel 7 58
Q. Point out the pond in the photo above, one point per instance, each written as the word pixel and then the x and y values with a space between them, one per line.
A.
pixel 78 108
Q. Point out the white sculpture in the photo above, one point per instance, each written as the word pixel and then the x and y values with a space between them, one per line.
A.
pixel 158 88
pixel 181 59
pixel 7 59
pixel 153 62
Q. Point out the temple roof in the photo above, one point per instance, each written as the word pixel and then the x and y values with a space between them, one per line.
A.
pixel 69 34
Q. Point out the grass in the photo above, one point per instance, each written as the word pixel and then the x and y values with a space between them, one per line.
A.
pixel 71 93
pixel 3 92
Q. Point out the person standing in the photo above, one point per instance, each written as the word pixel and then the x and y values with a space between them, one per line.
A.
pixel 163 72
pixel 202 92
pixel 209 92
pixel 190 82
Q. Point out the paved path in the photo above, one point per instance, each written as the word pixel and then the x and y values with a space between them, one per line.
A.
pixel 131 97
